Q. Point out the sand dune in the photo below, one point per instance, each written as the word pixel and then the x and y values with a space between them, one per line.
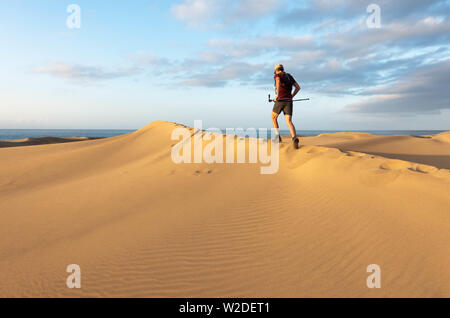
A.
pixel 41 141
pixel 429 150
pixel 140 225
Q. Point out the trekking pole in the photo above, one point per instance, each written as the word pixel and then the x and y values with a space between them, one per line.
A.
pixel 295 100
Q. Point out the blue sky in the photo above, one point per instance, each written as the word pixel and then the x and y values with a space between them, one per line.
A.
pixel 133 62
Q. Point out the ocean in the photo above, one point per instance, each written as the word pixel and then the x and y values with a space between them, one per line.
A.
pixel 14 134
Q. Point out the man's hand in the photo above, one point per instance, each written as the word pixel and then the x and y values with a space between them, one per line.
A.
pixel 277 85
pixel 297 89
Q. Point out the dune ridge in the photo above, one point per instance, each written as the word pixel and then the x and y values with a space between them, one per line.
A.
pixel 141 226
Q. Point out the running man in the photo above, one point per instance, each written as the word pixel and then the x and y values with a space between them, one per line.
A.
pixel 283 101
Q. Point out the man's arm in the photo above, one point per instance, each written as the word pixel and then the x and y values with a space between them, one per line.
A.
pixel 297 89
pixel 277 85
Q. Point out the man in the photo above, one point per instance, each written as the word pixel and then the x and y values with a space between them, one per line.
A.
pixel 283 101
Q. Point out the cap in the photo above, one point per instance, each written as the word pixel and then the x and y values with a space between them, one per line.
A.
pixel 279 67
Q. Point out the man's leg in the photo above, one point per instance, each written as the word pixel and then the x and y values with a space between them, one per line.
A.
pixel 275 125
pixel 293 131
pixel 291 126
pixel 275 122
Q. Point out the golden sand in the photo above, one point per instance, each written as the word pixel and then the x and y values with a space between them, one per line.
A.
pixel 140 225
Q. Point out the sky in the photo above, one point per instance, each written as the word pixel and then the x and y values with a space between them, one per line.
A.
pixel 133 62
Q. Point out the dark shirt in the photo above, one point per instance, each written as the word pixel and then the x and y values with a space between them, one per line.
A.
pixel 286 83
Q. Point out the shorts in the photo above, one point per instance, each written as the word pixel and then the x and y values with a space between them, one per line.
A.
pixel 283 105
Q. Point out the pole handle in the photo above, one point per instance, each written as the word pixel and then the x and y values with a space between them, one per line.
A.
pixel 295 100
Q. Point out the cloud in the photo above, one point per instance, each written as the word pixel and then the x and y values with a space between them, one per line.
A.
pixel 321 11
pixel 251 9
pixel 143 60
pixel 220 77
pixel 263 44
pixel 224 61
pixel 404 34
pixel 344 62
pixel 223 12
pixel 82 73
pixel 424 90
pixel 195 12
pixel 390 68
pixel 139 62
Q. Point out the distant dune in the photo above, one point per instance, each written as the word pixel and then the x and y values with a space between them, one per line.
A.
pixel 140 225
pixel 431 150
pixel 41 141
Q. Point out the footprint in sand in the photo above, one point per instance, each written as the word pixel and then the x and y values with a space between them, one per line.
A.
pixel 395 165
pixel 200 172
pixel 424 169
